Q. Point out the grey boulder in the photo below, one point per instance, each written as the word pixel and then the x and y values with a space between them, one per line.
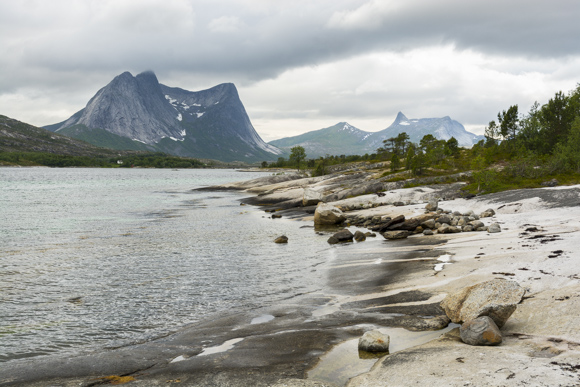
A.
pixel 327 214
pixel 480 331
pixel 496 298
pixel 374 341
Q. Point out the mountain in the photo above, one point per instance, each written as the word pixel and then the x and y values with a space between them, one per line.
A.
pixel 442 128
pixel 139 112
pixel 341 138
pixel 345 139
pixel 16 136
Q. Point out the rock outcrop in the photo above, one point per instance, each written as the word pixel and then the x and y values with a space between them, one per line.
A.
pixel 311 197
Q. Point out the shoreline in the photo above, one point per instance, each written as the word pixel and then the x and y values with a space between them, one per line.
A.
pixel 282 350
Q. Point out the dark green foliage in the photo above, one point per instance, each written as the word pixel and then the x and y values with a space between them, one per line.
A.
pixel 320 169
pixel 297 154
pixel 144 160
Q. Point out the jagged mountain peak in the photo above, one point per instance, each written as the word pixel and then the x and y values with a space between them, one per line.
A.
pixel 400 118
pixel 210 123
pixel 344 138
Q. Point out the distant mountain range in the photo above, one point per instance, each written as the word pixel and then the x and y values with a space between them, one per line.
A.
pixel 345 139
pixel 140 113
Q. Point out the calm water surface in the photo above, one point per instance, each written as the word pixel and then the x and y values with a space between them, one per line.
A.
pixel 103 257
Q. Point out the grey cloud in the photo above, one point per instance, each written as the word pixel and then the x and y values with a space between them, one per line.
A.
pixel 179 35
pixel 73 48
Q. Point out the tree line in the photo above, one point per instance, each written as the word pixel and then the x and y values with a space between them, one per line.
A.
pixel 519 150
pixel 144 160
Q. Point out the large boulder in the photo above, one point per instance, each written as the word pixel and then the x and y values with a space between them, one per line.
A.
pixel 480 331
pixel 327 214
pixel 311 197
pixel 496 298
pixel 374 341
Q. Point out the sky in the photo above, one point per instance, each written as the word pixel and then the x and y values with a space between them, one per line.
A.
pixel 298 65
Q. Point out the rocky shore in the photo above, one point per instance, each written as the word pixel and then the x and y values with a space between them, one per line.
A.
pixel 526 236
pixel 448 242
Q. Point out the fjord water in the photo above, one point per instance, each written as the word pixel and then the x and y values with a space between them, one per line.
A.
pixel 93 258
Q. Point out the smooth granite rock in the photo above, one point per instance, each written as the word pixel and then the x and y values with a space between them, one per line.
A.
pixel 374 341
pixel 480 331
pixel 327 214
pixel 281 239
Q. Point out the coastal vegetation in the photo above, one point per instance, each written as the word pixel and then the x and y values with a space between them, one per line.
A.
pixel 540 147
pixel 143 160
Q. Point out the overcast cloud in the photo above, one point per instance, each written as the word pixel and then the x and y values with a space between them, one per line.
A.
pixel 299 65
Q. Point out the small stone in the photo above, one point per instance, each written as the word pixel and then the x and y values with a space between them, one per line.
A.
pixel 332 241
pixel 281 239
pixel 493 228
pixel 426 324
pixel 428 232
pixel 480 331
pixel 396 234
pixel 445 219
pixel 276 216
pixel 432 205
pixel 476 224
pixel 429 224
pixel 374 341
pixel 360 236
pixel 398 204
pixel 369 234
pixel 342 236
pixel 487 213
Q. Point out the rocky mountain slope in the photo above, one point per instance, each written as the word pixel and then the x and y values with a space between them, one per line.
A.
pixel 343 138
pixel 22 137
pixel 211 123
